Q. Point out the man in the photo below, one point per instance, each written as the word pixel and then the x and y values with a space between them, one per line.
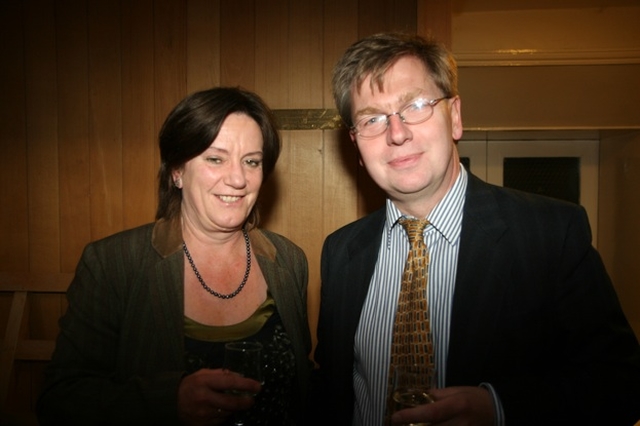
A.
pixel 525 324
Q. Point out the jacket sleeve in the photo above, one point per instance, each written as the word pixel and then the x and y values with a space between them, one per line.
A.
pixel 582 359
pixel 94 377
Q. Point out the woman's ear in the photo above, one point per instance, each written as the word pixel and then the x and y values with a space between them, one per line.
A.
pixel 176 175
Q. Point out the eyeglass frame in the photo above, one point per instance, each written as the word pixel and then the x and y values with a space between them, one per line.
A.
pixel 432 103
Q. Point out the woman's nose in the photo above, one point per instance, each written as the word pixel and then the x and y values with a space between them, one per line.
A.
pixel 235 176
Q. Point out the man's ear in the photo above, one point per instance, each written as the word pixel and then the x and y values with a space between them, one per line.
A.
pixel 455 109
pixel 352 136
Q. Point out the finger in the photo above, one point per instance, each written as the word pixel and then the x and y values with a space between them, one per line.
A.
pixel 420 414
pixel 225 380
pixel 443 392
pixel 206 390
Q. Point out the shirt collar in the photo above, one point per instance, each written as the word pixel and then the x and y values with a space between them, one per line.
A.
pixel 446 216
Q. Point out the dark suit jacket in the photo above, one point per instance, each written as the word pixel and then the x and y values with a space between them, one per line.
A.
pixel 534 313
pixel 119 357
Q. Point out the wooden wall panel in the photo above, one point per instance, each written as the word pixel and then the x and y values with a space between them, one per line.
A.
pixel 339 32
pixel 13 142
pixel 292 196
pixel 434 19
pixel 305 77
pixel 272 52
pixel 72 64
pixel 297 201
pixel 105 126
pixel 237 43
pixel 140 156
pixel 404 16
pixel 73 130
pixel 203 44
pixel 40 176
pixel 340 187
pixel 42 144
pixel 386 15
pixel 170 56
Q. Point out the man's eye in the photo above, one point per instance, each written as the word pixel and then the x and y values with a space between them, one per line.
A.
pixel 417 106
pixel 372 121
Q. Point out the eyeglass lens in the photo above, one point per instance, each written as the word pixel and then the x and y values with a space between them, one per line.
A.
pixel 413 113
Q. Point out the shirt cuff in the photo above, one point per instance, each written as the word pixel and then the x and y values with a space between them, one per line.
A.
pixel 497 404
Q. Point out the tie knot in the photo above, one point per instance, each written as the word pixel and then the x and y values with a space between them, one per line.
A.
pixel 413 227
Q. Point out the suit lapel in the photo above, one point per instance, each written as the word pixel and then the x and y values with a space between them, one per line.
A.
pixel 360 254
pixel 363 255
pixel 479 283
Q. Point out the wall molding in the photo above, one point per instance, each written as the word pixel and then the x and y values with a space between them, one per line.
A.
pixel 538 57
pixel 308 119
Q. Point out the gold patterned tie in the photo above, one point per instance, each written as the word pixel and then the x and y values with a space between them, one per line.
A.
pixel 412 343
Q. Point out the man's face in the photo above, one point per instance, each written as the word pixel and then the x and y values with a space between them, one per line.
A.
pixel 414 164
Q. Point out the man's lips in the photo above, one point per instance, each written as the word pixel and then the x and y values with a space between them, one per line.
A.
pixel 405 160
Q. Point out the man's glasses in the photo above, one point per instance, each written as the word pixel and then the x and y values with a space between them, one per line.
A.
pixel 416 112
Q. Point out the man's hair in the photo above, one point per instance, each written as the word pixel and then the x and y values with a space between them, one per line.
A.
pixel 374 55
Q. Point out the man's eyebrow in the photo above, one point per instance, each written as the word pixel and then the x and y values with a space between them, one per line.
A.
pixel 402 100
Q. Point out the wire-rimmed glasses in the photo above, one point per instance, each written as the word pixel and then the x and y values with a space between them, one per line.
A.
pixel 418 111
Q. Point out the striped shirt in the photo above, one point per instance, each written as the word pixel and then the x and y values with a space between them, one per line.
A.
pixel 372 347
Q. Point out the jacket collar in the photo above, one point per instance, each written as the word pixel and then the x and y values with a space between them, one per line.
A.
pixel 166 239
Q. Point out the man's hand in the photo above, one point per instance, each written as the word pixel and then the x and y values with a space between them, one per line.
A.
pixel 453 406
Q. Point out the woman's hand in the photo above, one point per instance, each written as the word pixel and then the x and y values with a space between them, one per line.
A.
pixel 203 397
pixel 453 406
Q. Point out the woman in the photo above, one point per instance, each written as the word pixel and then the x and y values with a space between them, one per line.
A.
pixel 150 309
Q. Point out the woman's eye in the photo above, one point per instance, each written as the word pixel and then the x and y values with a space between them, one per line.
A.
pixel 254 163
pixel 214 160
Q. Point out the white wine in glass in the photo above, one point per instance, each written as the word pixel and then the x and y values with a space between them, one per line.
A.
pixel 411 386
pixel 409 398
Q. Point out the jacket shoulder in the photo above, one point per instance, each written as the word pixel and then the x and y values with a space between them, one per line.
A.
pixel 129 249
pixel 374 220
pixel 282 244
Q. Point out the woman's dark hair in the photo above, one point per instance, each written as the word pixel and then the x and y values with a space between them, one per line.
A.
pixel 192 126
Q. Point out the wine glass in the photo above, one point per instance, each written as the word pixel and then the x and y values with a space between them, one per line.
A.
pixel 243 358
pixel 411 385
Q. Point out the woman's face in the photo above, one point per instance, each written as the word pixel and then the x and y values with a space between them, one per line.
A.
pixel 221 185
